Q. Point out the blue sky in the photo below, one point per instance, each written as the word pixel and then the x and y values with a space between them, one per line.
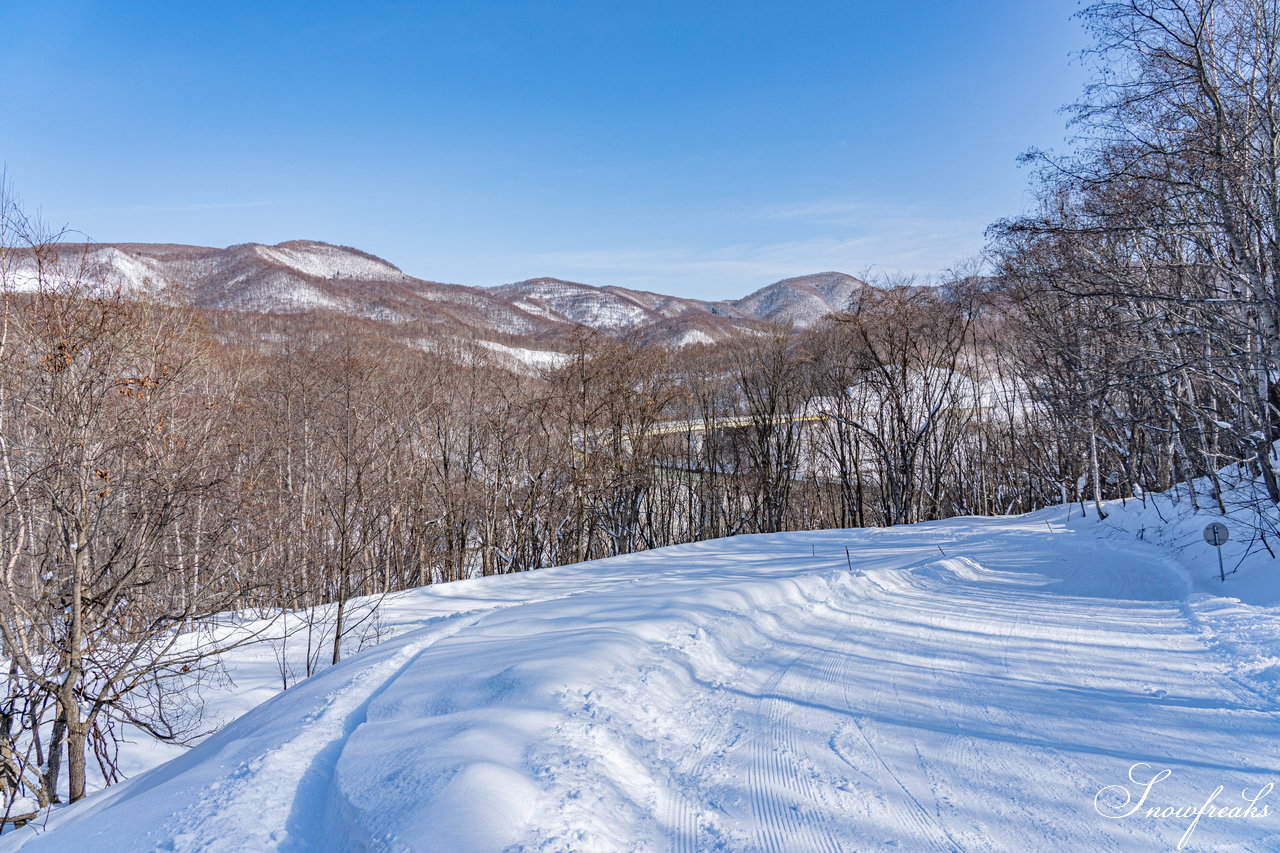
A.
pixel 694 147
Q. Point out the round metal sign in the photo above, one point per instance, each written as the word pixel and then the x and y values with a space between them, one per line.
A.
pixel 1215 533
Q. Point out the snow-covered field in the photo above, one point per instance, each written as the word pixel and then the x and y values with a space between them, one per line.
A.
pixel 972 685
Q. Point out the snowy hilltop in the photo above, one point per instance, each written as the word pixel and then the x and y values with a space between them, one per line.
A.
pixel 972 684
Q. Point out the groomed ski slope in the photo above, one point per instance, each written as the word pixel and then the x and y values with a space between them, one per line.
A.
pixel 971 685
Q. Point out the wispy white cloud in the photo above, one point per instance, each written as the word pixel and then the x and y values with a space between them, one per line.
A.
pixel 828 211
pixel 876 218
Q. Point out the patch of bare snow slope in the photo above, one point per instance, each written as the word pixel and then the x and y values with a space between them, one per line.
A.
pixel 321 260
pixel 693 336
pixel 535 358
pixel 105 267
pixel 130 273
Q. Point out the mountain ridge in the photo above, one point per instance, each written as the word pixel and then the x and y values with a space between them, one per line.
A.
pixel 310 276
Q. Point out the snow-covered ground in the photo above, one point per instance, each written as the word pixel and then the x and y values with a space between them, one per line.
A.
pixel 972 685
pixel 525 357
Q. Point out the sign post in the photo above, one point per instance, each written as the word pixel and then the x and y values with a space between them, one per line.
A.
pixel 1216 533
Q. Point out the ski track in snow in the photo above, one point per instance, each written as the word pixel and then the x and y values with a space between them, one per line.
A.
pixel 970 686
pixel 271 783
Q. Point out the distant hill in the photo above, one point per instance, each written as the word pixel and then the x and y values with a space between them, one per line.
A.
pixel 801 301
pixel 308 277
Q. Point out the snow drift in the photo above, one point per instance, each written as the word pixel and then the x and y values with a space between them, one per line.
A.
pixel 975 684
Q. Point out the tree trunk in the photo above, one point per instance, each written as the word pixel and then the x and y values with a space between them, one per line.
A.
pixel 54 769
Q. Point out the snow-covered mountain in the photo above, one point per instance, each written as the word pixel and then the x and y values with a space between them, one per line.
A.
pixel 609 309
pixel 995 684
pixel 303 276
pixel 296 277
pixel 801 301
